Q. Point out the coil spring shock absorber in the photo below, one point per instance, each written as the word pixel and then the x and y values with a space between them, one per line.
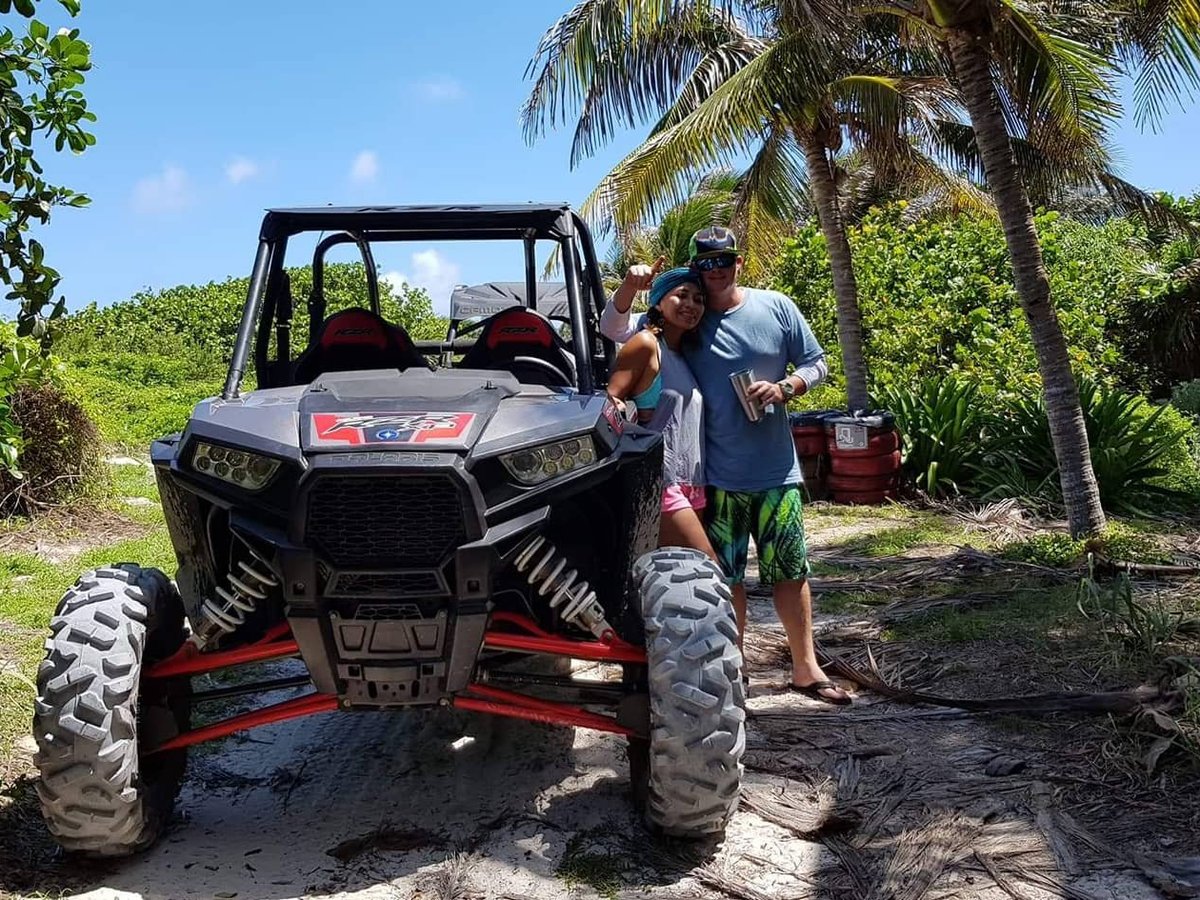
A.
pixel 225 613
pixel 546 569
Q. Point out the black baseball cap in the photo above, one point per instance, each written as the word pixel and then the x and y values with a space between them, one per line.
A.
pixel 713 241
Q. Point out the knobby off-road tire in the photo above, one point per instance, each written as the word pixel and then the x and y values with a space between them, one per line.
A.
pixel 697 701
pixel 99 795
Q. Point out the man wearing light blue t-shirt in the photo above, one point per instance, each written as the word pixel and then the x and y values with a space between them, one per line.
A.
pixel 752 466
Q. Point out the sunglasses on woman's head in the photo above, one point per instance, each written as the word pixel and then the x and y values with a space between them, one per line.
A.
pixel 715 262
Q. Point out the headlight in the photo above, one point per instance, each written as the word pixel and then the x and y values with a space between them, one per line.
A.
pixel 538 464
pixel 246 470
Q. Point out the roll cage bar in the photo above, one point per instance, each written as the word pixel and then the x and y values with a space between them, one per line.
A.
pixel 269 292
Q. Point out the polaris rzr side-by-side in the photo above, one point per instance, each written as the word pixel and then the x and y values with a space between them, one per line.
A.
pixel 421 524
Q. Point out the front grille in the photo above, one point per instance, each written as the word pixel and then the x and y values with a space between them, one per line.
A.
pixel 377 612
pixel 385 584
pixel 391 521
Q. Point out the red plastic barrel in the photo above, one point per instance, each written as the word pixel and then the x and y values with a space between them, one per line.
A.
pixel 864 454
pixel 808 434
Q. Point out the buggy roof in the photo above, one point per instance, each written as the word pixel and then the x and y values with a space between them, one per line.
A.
pixel 458 221
pixel 487 299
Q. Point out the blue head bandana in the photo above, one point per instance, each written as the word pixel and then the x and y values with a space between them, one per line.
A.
pixel 671 279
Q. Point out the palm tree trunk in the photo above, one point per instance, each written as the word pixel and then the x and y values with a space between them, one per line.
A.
pixel 971 58
pixel 845 287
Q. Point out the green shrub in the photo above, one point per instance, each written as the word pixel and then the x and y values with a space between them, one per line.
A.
pixel 132 415
pixel 207 316
pixel 1058 550
pixel 1122 543
pixel 937 297
pixel 1182 459
pixel 1055 550
pixel 1018 459
pixel 139 367
pixel 1161 328
pixel 940 423
pixel 22 366
pixel 1186 398
pixel 60 453
pixel 1135 448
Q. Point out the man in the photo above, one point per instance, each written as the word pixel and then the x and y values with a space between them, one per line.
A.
pixel 752 466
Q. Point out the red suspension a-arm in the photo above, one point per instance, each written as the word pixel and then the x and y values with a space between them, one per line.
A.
pixel 519 706
pixel 279 712
pixel 278 643
pixel 538 640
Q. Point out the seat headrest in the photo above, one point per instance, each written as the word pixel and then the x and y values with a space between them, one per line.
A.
pixel 359 327
pixel 519 326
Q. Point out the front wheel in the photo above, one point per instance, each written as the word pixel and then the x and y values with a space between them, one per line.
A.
pixel 101 795
pixel 691 780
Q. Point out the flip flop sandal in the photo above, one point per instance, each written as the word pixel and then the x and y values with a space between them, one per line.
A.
pixel 814 691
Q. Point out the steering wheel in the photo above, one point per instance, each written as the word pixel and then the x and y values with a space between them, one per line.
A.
pixel 558 376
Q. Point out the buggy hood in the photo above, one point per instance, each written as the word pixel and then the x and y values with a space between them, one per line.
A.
pixel 444 410
pixel 455 410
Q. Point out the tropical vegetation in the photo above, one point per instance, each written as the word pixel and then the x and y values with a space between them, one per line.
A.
pixel 787 84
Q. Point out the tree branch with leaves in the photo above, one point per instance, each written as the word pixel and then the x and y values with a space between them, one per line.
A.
pixel 40 101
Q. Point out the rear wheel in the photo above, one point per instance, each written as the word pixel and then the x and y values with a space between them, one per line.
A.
pixel 101 794
pixel 690 770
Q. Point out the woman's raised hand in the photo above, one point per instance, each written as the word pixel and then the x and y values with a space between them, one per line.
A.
pixel 640 275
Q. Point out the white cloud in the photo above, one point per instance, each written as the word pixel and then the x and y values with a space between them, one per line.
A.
pixel 242 169
pixel 167 192
pixel 365 167
pixel 439 89
pixel 431 271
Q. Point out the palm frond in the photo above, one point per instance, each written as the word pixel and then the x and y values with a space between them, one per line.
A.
pixel 880 112
pixel 1128 199
pixel 1053 83
pixel 1084 185
pixel 637 81
pixel 909 173
pixel 1045 172
pixel 1160 45
pixel 710 202
pixel 580 51
pixel 714 69
pixel 771 198
pixel 819 16
pixel 732 121
pixel 913 25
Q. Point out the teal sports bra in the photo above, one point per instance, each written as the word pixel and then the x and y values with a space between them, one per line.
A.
pixel 648 399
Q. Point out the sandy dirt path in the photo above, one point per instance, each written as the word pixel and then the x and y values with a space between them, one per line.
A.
pixel 397 806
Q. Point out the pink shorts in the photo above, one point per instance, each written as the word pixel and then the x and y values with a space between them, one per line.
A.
pixel 682 496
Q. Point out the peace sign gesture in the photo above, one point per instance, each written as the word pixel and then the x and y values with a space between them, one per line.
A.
pixel 641 275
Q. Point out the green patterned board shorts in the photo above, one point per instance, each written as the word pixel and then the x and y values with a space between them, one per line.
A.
pixel 776 521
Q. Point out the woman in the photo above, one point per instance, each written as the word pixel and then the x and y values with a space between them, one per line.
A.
pixel 651 374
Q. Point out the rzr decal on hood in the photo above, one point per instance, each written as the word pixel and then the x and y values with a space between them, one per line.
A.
pixel 371 429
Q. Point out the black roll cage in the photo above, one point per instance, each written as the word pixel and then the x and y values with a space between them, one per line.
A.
pixel 269 293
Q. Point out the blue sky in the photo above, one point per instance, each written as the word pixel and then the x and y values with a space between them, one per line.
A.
pixel 207 118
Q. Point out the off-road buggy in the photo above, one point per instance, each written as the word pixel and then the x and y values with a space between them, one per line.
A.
pixel 419 535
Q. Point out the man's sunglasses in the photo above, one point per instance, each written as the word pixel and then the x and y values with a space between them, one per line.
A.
pixel 708 263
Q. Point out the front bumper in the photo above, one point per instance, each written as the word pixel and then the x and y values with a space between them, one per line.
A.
pixel 386 608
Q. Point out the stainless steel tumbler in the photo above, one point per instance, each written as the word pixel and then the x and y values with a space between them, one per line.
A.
pixel 741 381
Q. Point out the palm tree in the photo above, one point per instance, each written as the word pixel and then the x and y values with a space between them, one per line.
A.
pixel 1017 66
pixel 783 94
